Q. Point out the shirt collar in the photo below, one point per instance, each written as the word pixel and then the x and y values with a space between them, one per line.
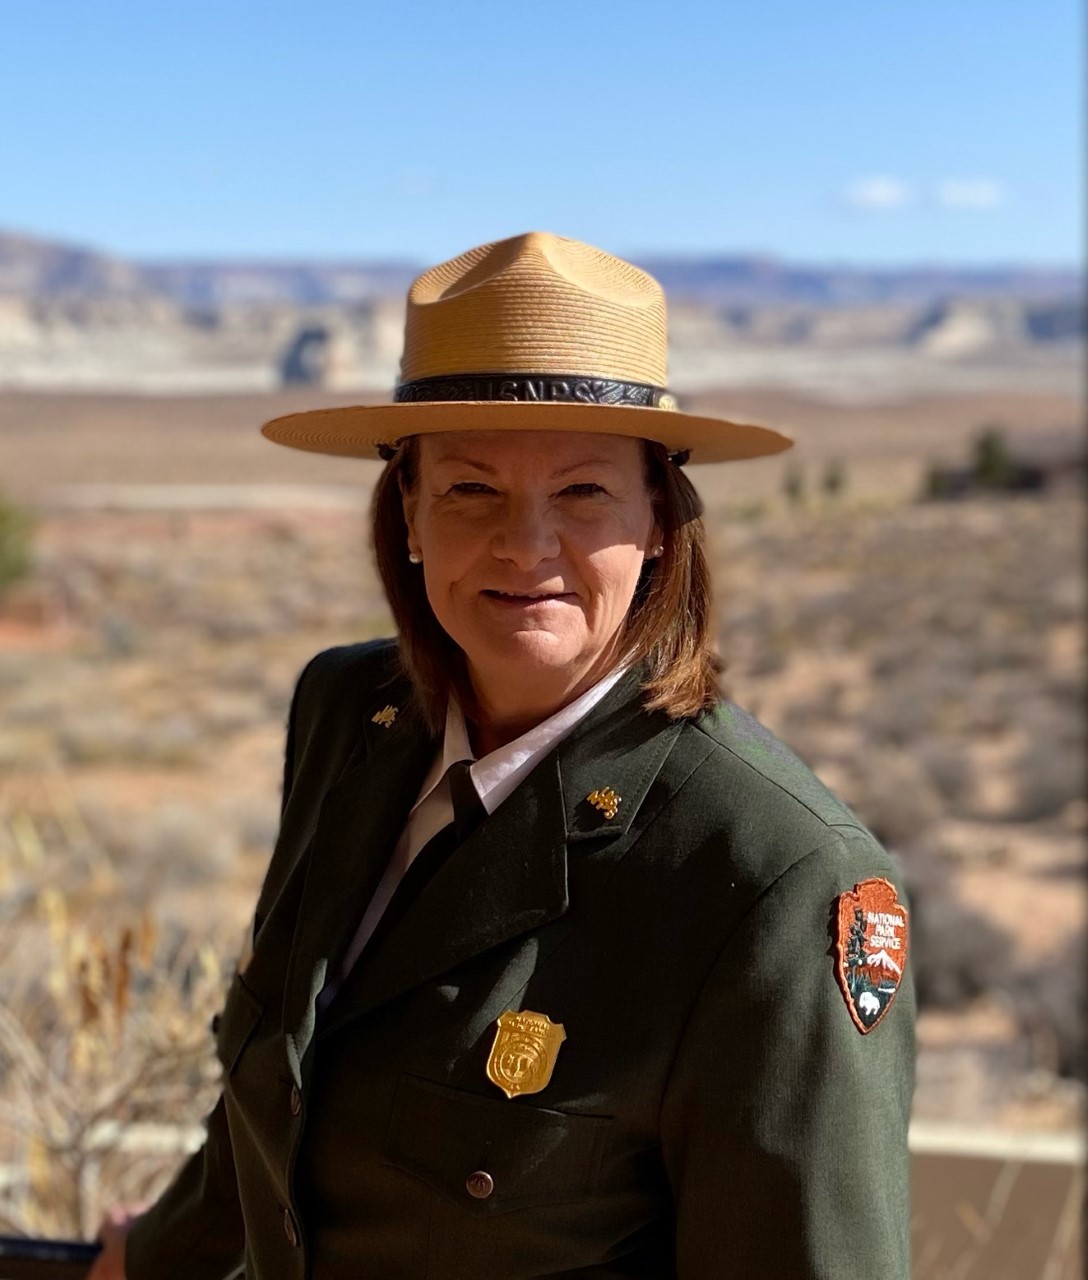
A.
pixel 499 772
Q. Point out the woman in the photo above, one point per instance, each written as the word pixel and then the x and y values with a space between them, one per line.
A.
pixel 563 965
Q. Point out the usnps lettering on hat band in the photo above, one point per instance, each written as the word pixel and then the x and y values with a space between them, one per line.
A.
pixel 526 388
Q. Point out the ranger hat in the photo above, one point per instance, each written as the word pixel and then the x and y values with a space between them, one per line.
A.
pixel 537 332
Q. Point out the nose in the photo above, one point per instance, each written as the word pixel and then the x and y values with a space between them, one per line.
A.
pixel 525 533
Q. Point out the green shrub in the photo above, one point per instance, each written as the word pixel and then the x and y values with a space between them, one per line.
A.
pixel 15 531
pixel 834 478
pixel 793 484
pixel 994 464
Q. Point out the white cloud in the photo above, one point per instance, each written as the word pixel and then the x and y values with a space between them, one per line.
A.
pixel 969 193
pixel 878 192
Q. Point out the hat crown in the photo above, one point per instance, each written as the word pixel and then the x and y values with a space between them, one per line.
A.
pixel 536 303
pixel 533 332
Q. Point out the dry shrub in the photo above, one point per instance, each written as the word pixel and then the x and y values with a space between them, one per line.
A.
pixel 891 792
pixel 911 701
pixel 1051 1003
pixel 957 954
pixel 254 822
pixel 1050 770
pixel 174 844
pixel 223 711
pixel 111 737
pixel 103 1042
pixel 179 843
pixel 950 767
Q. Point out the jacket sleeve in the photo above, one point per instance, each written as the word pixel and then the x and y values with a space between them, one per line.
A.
pixel 783 1127
pixel 194 1231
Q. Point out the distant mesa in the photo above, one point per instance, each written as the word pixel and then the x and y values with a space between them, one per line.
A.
pixel 954 327
pixel 35 267
pixel 42 269
pixel 72 317
pixel 307 360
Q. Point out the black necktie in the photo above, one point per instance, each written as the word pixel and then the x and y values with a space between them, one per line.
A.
pixel 468 812
pixel 468 808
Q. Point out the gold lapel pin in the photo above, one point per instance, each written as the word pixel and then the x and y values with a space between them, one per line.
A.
pixel 385 716
pixel 606 800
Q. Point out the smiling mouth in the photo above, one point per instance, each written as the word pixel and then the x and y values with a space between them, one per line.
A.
pixel 528 597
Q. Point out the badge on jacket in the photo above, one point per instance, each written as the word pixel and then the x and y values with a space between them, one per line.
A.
pixel 870 949
pixel 524 1053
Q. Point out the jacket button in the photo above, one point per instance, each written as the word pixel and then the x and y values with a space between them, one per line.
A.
pixel 296 1100
pixel 480 1184
pixel 289 1229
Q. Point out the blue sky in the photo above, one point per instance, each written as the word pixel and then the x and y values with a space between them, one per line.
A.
pixel 934 130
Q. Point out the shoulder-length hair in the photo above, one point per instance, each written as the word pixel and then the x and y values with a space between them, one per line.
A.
pixel 668 625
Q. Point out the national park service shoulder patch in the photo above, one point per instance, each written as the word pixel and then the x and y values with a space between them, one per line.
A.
pixel 870 949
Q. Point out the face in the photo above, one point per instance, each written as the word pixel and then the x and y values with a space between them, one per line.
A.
pixel 532 545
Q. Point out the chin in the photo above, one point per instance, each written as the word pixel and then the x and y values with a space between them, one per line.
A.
pixel 530 648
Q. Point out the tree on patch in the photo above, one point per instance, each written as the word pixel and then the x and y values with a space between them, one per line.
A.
pixel 855 950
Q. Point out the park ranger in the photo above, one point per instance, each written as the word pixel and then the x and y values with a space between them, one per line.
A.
pixel 563 964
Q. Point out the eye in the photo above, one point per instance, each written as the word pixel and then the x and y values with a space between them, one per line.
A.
pixel 585 489
pixel 470 486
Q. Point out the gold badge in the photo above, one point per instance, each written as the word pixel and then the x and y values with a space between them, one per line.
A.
pixel 524 1053
pixel 385 716
pixel 668 402
pixel 606 800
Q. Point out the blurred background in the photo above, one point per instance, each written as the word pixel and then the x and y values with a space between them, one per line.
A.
pixel 868 222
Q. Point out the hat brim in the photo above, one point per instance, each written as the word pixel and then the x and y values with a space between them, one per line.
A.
pixel 356 431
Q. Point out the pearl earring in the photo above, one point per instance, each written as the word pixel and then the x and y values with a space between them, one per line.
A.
pixel 414 559
pixel 659 550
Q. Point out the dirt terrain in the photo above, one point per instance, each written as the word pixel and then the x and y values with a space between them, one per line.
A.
pixel 49 441
pixel 925 658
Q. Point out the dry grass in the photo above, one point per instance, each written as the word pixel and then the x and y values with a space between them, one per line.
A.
pixel 103 1055
pixel 926 660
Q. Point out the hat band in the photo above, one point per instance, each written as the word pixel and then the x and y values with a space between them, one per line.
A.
pixel 527 388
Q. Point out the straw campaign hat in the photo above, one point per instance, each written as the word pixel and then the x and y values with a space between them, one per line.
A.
pixel 535 332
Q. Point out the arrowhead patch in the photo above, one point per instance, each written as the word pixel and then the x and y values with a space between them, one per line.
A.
pixel 870 949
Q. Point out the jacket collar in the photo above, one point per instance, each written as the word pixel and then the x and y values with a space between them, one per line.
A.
pixel 494 887
pixel 498 773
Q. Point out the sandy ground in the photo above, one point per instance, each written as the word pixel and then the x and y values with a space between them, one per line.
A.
pixel 51 440
pixel 194 473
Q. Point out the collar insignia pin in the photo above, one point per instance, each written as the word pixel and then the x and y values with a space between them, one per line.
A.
pixel 524 1053
pixel 606 800
pixel 385 716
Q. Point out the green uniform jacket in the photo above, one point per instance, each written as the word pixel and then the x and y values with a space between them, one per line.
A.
pixel 714 1111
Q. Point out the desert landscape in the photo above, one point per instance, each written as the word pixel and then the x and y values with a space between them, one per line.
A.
pixel 165 573
pixel 867 226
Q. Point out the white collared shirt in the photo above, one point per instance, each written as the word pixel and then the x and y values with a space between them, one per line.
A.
pixel 494 776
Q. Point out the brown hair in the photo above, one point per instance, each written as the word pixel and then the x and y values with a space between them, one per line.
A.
pixel 668 622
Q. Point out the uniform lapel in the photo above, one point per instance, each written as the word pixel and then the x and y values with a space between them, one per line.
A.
pixel 511 874
pixel 360 820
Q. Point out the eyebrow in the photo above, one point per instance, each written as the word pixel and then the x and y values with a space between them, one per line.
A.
pixel 487 469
